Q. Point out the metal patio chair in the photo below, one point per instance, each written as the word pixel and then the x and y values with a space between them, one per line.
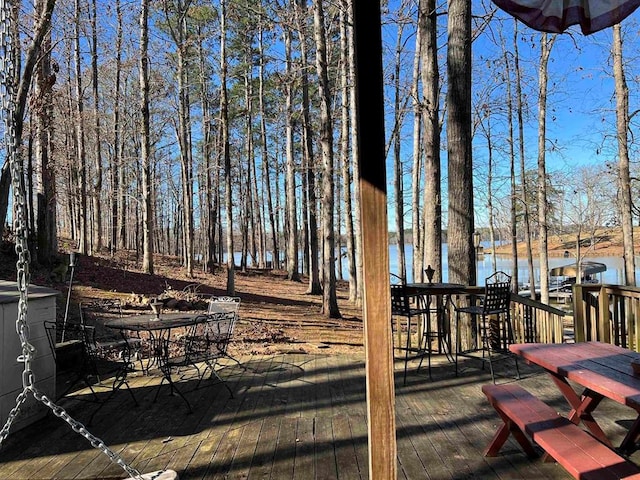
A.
pixel 202 347
pixel 91 366
pixel 218 331
pixel 404 304
pixel 230 306
pixel 489 330
pixel 127 347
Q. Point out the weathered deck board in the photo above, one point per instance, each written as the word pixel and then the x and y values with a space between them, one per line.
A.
pixel 243 420
pixel 283 456
pixel 416 451
pixel 292 416
pixel 345 452
pixel 358 424
pixel 304 454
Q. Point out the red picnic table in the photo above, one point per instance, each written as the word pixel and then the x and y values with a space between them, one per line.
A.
pixel 604 370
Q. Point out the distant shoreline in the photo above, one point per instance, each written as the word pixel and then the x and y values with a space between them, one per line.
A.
pixel 558 253
pixel 607 246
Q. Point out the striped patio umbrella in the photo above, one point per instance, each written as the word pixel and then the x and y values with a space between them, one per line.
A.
pixel 556 16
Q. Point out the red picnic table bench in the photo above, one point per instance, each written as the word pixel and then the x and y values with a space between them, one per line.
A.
pixel 582 455
pixel 604 371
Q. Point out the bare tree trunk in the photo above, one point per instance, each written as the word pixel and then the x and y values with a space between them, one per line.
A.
pixel 217 200
pixel 338 216
pixel 42 111
pixel 243 225
pixel 208 211
pixel 117 148
pixel 512 177
pixel 310 191
pixel 355 152
pixel 23 84
pixel 427 23
pixel 347 179
pixel 96 194
pixel 185 142
pixel 305 163
pixel 398 177
pixel 29 183
pixel 329 297
pixel 490 211
pixel 249 223
pixel 461 222
pixel 263 196
pixel 122 229
pixel 224 128
pixel 176 14
pixel 315 288
pixel 246 223
pixel 137 227
pixel 622 127
pixel 147 200
pixel 120 188
pixel 83 244
pixel 417 232
pixel 5 184
pixel 278 211
pixel 545 51
pixel 258 239
pixel 525 189
pixel 266 177
pixel 290 180
pixel 70 146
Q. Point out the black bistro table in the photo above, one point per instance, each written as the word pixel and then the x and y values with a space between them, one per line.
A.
pixel 159 328
pixel 441 294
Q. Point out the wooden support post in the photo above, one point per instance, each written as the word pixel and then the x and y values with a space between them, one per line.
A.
pixel 375 242
pixel 604 316
pixel 579 319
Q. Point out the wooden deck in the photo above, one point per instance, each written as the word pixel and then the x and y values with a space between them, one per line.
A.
pixel 292 416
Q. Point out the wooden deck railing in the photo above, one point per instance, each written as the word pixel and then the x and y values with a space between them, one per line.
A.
pixel 607 313
pixel 532 321
pixel 536 322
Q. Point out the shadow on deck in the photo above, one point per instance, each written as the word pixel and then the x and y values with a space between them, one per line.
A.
pixel 292 416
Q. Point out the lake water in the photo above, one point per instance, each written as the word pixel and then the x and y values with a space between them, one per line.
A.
pixel 613 275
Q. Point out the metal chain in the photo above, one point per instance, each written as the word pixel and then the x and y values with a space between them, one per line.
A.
pixel 7 71
pixel 7 112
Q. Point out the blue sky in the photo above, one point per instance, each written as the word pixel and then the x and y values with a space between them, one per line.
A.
pixel 581 103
